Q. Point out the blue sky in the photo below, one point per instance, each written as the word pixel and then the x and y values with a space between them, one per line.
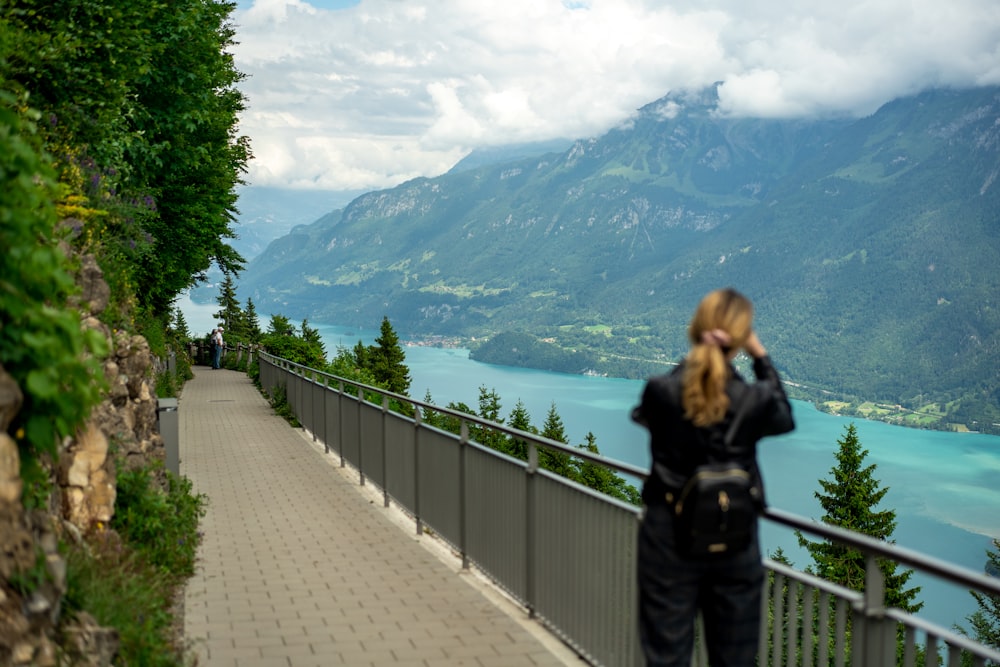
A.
pixel 346 95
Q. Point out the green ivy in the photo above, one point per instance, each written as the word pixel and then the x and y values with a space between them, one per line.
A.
pixel 41 342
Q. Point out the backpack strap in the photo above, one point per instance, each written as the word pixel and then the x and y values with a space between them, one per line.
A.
pixel 675 480
pixel 741 410
pixel 757 490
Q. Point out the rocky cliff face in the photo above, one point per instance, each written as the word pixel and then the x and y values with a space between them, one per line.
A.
pixel 82 499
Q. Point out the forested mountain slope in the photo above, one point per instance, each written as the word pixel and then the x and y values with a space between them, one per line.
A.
pixel 870 247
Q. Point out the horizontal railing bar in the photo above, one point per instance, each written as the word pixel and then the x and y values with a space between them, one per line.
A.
pixel 845 598
pixel 619 466
pixel 871 545
pixel 814 581
pixel 858 541
pixel 952 638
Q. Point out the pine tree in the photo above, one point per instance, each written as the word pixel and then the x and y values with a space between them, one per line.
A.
pixel 385 360
pixel 605 480
pixel 280 326
pixel 556 461
pixel 454 424
pixel 360 354
pixel 430 416
pixel 252 321
pixel 230 313
pixel 521 420
pixel 311 336
pixel 345 365
pixel 985 621
pixel 489 408
pixel 181 327
pixel 849 500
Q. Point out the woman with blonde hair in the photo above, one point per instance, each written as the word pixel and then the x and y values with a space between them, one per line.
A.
pixel 689 413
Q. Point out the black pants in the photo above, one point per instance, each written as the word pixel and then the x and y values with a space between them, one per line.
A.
pixel 727 590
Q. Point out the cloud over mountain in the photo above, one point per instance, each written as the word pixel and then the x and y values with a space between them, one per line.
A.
pixel 370 95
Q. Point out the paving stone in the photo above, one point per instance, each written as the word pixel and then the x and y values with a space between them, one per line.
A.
pixel 300 566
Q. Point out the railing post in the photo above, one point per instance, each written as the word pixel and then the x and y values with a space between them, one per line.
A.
pixel 312 408
pixel 385 448
pixel 463 530
pixel 529 526
pixel 340 421
pixel 361 436
pixel 326 431
pixel 878 638
pixel 416 479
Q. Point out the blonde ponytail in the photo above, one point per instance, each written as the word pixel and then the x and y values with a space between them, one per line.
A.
pixel 720 325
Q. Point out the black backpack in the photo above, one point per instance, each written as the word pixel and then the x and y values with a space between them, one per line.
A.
pixel 715 509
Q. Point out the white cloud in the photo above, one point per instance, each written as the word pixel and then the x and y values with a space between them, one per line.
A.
pixel 370 95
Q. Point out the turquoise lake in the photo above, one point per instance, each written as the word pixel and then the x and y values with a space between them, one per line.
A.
pixel 941 485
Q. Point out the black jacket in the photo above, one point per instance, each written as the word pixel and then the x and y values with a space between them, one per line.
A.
pixel 680 446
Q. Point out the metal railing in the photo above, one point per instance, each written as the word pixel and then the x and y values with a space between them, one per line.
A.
pixel 567 552
pixel 200 352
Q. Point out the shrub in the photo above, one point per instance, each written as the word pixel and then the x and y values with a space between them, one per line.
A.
pixel 120 589
pixel 161 525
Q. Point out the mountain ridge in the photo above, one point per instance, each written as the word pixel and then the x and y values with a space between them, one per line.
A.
pixel 864 243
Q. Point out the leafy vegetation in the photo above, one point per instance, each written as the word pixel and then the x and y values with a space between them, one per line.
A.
pixel 571 467
pixel 107 153
pixel 519 349
pixel 42 345
pixel 118 163
pixel 161 526
pixel 283 341
pixel 120 590
pixel 383 365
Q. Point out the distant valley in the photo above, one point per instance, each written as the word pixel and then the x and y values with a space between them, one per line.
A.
pixel 869 246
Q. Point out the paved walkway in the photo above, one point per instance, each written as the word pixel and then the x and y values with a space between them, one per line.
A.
pixel 301 566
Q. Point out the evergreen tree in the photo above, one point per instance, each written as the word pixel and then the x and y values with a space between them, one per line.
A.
pixel 849 500
pixel 454 424
pixel 431 417
pixel 385 360
pixel 229 312
pixel 779 556
pixel 605 480
pixel 553 428
pixel 280 326
pixel 284 341
pixel 345 365
pixel 556 461
pixel 360 354
pixel 181 327
pixel 489 408
pixel 521 420
pixel 252 320
pixel 985 621
pixel 311 336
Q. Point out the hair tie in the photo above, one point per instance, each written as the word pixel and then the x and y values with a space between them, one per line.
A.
pixel 716 338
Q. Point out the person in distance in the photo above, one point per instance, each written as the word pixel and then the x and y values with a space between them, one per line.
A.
pixel 703 412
